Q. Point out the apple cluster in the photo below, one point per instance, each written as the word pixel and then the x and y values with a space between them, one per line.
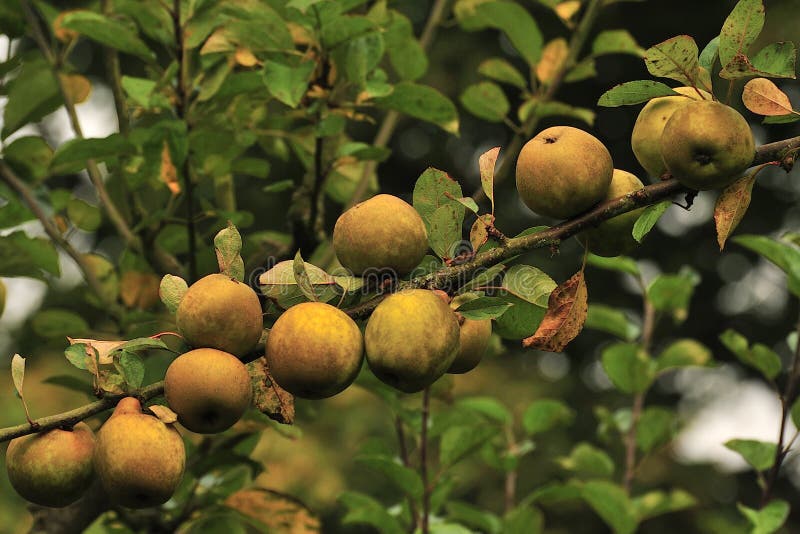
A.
pixel 563 171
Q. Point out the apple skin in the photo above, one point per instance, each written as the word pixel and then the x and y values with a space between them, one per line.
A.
pixel 473 342
pixel 707 145
pixel 411 339
pixel 208 389
pixel 314 350
pixel 52 468
pixel 646 135
pixel 383 232
pixel 613 236
pixel 221 313
pixel 139 459
pixel 563 171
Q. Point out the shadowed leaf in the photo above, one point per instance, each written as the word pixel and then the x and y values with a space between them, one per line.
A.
pixel 731 206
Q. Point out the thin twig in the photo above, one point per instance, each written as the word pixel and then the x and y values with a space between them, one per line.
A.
pixel 787 399
pixel 404 457
pixel 18 185
pixel 114 74
pixel 423 461
pixel 510 490
pixel 544 95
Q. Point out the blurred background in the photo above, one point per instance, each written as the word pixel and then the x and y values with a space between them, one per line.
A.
pixel 737 290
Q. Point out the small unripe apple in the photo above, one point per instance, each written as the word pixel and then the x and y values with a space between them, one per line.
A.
pixel 208 389
pixel 314 350
pixel 613 236
pixel 52 468
pixel 707 145
pixel 411 339
pixel 138 459
pixel 384 232
pixel 473 341
pixel 563 171
pixel 646 135
pixel 222 313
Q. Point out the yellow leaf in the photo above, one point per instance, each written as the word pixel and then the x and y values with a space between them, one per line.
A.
pixel 566 10
pixel 217 42
pixel 245 57
pixel 300 35
pixel 278 512
pixel 731 206
pixel 553 57
pixel 76 87
pixel 139 290
pixel 563 321
pixel 762 96
pixel 63 34
pixel 169 175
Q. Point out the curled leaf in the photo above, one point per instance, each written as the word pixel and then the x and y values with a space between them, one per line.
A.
pixel 102 349
pixel 18 372
pixel 486 164
pixel 566 312
pixel 731 206
pixel 166 415
pixel 268 397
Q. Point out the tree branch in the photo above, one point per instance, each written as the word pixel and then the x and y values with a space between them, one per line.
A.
pixel 16 183
pixel 456 275
pixel 546 94
pixel 114 215
pixel 72 417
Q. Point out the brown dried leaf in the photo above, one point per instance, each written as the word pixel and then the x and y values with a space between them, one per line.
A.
pixel 76 87
pixel 18 372
pixel 139 290
pixel 762 96
pixel 166 415
pixel 566 313
pixel 169 174
pixel 479 233
pixel 102 349
pixel 268 397
pixel 553 56
pixel 731 206
pixel 278 512
pixel 63 34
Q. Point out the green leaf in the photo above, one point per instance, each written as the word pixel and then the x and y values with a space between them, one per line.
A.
pixel 72 155
pixel 108 32
pixel 448 528
pixel 484 308
pixel 29 156
pixel 672 292
pixel 656 427
pixel 57 322
pixel 171 291
pixel 424 103
pixel 364 510
pixel 131 366
pixel 636 92
pixel 80 357
pixel 758 356
pixel 508 17
pixel 655 503
pixel 444 234
pixel 622 264
pixel 611 320
pixel 759 454
pixel 486 100
pixel 709 54
pixel 488 407
pixel 228 245
pixel 31 95
pixel 139 90
pixel 460 441
pixel 302 279
pixel 473 517
pixel 500 70
pixel 676 58
pixel 785 256
pixel 434 189
pixel 777 60
pixel 683 353
pixel 612 504
pixel 406 480
pixel 529 283
pixel 21 255
pixel 279 186
pixel 648 219
pixel 740 29
pixel 523 519
pixel 616 42
pixel 553 108
pixel 288 83
pixel 587 460
pixel 405 53
pixel 795 413
pixel 85 216
pixel 767 520
pixel 630 369
pixel 545 414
